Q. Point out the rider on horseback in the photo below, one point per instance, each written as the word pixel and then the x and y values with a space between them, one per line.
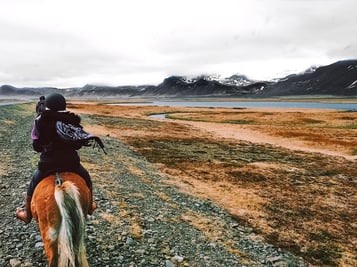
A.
pixel 57 155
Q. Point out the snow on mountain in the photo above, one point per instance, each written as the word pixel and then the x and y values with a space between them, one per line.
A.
pixel 237 80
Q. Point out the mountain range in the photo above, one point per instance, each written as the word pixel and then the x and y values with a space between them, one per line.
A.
pixel 337 79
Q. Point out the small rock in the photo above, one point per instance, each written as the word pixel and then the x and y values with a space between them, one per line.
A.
pixel 39 245
pixel 15 263
pixel 168 263
pixel 177 258
pixel 278 261
pixel 130 241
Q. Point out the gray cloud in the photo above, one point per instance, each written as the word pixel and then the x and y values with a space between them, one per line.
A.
pixel 72 43
pixel 29 54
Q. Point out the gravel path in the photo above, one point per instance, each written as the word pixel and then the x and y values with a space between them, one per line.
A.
pixel 141 221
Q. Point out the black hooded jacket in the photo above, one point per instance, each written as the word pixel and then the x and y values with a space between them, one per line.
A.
pixel 56 155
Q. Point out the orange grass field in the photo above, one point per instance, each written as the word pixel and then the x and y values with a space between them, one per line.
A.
pixel 290 174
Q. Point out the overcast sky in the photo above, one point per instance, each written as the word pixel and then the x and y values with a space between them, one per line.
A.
pixel 65 43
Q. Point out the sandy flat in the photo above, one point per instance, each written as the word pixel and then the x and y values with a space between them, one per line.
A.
pixel 243 133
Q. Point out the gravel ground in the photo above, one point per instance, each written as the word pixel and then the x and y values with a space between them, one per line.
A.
pixel 141 221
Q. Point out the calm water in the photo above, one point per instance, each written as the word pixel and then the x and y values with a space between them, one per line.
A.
pixel 233 104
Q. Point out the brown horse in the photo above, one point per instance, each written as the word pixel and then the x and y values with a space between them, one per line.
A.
pixel 60 204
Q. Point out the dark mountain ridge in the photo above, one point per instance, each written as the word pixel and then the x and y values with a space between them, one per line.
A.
pixel 337 79
pixel 176 86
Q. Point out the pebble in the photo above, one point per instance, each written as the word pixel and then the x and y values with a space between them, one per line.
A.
pixel 169 264
pixel 15 263
pixel 39 245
